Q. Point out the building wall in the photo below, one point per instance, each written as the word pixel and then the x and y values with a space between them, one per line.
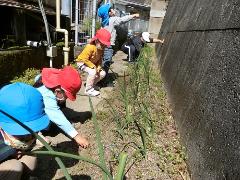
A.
pixel 200 65
pixel 49 3
pixel 157 13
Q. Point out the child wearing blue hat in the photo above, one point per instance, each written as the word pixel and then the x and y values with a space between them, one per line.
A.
pixel 24 103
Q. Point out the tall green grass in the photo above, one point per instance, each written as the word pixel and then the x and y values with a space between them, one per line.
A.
pixel 134 91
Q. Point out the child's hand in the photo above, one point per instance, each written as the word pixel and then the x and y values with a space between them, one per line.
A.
pixel 97 71
pixel 136 15
pixel 18 154
pixel 81 141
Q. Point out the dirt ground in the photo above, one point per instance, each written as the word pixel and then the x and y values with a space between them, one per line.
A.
pixel 79 113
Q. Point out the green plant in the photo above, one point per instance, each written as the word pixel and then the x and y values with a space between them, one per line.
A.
pixel 136 96
pixel 27 76
pixel 60 44
pixel 87 25
pixel 98 138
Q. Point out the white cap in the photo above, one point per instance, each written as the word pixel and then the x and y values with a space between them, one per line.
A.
pixel 145 36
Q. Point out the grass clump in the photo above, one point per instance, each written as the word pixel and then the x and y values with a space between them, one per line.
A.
pixel 27 76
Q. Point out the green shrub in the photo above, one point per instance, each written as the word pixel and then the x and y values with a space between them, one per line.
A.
pixel 87 25
pixel 27 76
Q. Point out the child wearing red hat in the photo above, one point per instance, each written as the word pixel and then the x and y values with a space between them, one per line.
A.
pixel 56 85
pixel 90 60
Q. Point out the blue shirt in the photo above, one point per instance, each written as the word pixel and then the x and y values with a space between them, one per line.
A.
pixel 54 113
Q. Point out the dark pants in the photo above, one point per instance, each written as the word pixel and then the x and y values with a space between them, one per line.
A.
pixel 131 51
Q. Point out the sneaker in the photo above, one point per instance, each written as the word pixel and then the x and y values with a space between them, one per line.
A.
pixel 92 92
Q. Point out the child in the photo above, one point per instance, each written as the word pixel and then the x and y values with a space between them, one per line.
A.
pixel 90 60
pixel 56 85
pixel 110 22
pixel 24 103
pixel 134 45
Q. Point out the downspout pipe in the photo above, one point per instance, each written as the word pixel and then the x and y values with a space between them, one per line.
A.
pixel 76 22
pixel 66 48
pixel 94 17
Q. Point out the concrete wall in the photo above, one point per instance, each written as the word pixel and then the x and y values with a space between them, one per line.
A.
pixel 200 65
pixel 157 13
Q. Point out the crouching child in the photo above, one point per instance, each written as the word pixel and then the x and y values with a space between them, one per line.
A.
pixel 24 103
pixel 90 60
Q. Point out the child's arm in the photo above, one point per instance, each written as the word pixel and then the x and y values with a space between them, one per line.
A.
pixel 152 40
pixel 124 19
pixel 56 116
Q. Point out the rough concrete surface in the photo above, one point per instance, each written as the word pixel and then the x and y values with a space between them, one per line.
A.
pixel 189 15
pixel 201 69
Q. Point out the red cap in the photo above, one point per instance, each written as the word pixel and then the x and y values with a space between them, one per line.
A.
pixel 103 36
pixel 68 78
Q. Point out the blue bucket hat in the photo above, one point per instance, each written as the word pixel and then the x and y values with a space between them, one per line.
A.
pixel 24 103
pixel 103 14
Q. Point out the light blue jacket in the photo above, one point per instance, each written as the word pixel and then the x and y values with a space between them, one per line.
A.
pixel 54 113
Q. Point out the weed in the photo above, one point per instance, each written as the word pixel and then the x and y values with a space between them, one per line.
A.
pixel 27 76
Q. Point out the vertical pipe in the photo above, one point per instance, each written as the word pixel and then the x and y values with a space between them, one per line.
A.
pixel 58 29
pixel 94 17
pixel 58 14
pixel 51 62
pixel 76 22
pixel 47 29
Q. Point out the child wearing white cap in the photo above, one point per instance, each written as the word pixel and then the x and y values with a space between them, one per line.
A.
pixel 134 45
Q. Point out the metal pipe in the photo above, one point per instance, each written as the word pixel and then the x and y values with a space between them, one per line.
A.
pixel 45 22
pixel 76 22
pixel 94 17
pixel 58 14
pixel 58 29
pixel 46 27
pixel 66 49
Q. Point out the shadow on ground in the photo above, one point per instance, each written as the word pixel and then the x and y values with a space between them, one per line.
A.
pixel 79 177
pixel 75 117
pixel 49 166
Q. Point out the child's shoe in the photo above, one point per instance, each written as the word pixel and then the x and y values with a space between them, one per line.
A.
pixel 92 92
